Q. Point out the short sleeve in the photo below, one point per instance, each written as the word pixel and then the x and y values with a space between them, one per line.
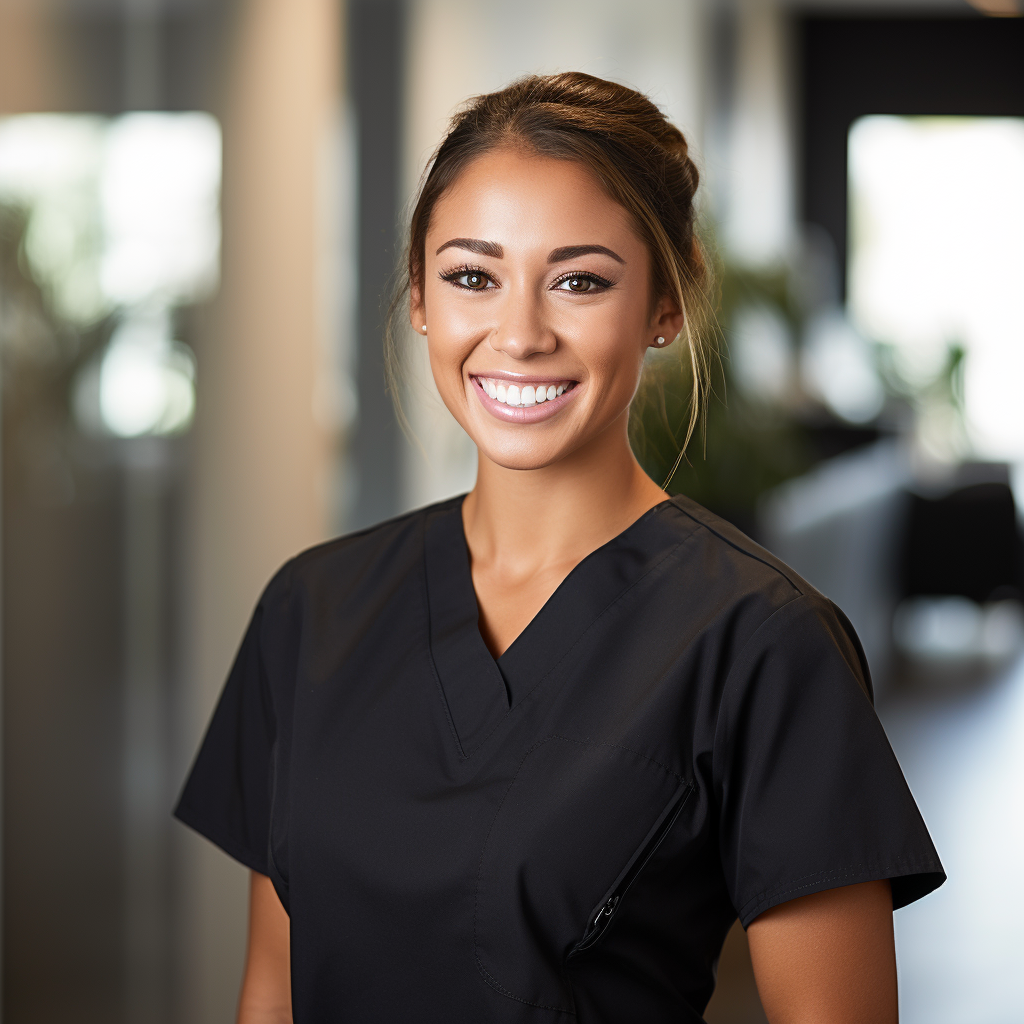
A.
pixel 811 796
pixel 227 796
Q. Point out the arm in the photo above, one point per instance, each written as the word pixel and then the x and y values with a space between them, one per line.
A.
pixel 828 958
pixel 267 986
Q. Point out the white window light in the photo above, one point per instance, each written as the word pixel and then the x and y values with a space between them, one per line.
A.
pixel 159 196
pixel 146 381
pixel 937 257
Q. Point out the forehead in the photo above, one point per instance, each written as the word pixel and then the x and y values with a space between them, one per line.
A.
pixel 523 201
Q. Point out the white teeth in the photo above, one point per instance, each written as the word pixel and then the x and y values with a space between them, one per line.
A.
pixel 514 395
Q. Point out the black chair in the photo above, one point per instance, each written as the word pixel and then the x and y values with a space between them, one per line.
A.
pixel 966 542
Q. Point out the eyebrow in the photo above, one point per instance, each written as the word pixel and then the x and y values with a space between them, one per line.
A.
pixel 571 252
pixel 497 252
pixel 477 245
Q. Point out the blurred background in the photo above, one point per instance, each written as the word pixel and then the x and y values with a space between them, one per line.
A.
pixel 200 210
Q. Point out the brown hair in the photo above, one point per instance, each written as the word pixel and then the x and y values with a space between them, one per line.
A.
pixel 641 159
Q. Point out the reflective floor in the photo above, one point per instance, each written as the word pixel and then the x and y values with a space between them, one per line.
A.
pixel 961 950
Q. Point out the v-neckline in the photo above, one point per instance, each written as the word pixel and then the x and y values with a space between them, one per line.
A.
pixel 523 633
pixel 480 689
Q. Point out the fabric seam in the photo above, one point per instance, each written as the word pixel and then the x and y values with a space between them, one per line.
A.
pixel 736 547
pixel 737 662
pixel 338 542
pixel 850 871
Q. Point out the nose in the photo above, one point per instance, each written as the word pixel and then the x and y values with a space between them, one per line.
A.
pixel 523 330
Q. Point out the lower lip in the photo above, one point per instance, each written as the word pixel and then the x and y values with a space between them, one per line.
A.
pixel 523 413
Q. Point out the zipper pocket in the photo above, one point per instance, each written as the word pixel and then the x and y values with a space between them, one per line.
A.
pixel 601 916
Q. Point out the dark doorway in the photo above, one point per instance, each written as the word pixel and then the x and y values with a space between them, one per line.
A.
pixel 851 67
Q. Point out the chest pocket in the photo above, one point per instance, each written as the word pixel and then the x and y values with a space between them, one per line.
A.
pixel 576 825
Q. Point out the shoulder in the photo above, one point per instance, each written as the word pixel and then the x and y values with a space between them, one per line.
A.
pixel 754 566
pixel 357 566
pixel 765 600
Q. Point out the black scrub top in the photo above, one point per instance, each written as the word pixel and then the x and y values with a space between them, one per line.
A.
pixel 684 734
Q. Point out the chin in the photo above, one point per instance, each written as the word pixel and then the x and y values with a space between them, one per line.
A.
pixel 523 457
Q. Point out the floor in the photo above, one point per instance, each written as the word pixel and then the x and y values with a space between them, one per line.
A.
pixel 961 950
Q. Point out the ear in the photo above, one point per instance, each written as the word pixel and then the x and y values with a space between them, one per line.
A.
pixel 667 321
pixel 417 308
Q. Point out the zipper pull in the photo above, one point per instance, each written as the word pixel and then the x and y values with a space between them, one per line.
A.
pixel 597 926
pixel 606 911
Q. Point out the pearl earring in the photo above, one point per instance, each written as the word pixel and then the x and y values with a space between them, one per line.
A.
pixel 659 341
pixel 424 328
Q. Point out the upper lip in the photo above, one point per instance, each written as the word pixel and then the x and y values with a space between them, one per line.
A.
pixel 522 378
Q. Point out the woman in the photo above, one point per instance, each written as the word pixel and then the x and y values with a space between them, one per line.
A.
pixel 527 754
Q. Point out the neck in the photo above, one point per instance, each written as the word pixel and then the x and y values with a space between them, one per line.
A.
pixel 529 520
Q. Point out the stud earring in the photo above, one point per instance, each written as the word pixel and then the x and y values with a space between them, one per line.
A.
pixel 659 341
pixel 424 328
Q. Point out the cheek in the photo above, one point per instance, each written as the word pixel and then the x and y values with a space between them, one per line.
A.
pixel 447 355
pixel 615 357
pixel 614 354
pixel 454 325
pixel 611 336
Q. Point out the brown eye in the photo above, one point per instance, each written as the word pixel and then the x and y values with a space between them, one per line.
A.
pixel 472 279
pixel 581 284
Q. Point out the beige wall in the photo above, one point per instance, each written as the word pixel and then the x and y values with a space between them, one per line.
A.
pixel 262 460
pixel 28 64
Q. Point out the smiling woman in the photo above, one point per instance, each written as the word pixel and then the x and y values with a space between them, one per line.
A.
pixel 525 755
pixel 631 160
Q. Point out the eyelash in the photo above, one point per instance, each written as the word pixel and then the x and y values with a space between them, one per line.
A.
pixel 583 275
pixel 452 276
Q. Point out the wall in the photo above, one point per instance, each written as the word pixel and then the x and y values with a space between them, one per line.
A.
pixel 263 462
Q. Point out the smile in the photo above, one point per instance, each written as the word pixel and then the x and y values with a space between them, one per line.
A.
pixel 523 394
pixel 523 400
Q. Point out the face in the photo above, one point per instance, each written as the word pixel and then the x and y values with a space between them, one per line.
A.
pixel 536 297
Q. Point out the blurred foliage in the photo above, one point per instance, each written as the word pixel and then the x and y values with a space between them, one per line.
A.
pixel 944 387
pixel 744 446
pixel 935 405
pixel 40 354
pixel 774 287
pixel 740 450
